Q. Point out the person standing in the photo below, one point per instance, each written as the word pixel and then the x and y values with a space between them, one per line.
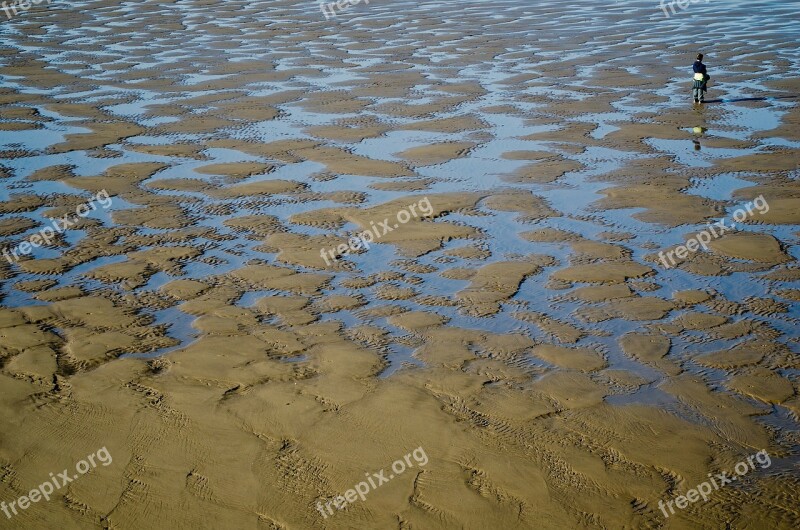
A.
pixel 701 78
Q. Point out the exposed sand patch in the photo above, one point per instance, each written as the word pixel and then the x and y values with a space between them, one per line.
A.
pixel 493 284
pixel 562 331
pixel 15 225
pixel 414 238
pixel 162 216
pixel 122 179
pixel 447 125
pixel 235 170
pixel 582 359
pixel 264 276
pixel 351 131
pixel 764 385
pixel 755 247
pixel 174 150
pixel 469 252
pixel 694 320
pixel 610 272
pixel 408 185
pixel 429 155
pixel 650 348
pixel 779 160
pixel 261 187
pixel 194 185
pixel 662 204
pixel 600 293
pixel 102 133
pixel 417 320
pixel 743 354
pixel 530 205
pixel 548 170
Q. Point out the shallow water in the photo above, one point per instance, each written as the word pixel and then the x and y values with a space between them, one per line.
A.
pixel 530 42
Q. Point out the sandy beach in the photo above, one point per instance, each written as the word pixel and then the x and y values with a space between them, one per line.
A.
pixel 413 265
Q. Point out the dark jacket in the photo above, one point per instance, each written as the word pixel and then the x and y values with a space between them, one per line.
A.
pixel 699 68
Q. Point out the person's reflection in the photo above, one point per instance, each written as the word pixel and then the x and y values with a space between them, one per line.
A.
pixel 698 133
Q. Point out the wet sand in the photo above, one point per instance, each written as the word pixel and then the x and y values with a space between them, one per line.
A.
pixel 525 331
